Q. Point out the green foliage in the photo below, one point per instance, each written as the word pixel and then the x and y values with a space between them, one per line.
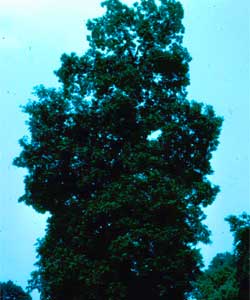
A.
pixel 228 276
pixel 126 210
pixel 11 291
pixel 240 227
pixel 218 281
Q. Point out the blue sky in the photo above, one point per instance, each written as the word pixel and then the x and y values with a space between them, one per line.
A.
pixel 34 34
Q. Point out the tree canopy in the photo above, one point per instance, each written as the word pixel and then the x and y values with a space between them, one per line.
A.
pixel 218 281
pixel 240 227
pixel 126 208
pixel 11 291
pixel 228 275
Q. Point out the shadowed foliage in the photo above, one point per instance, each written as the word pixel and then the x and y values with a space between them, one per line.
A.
pixel 126 208
pixel 240 227
pixel 218 281
pixel 228 275
pixel 11 291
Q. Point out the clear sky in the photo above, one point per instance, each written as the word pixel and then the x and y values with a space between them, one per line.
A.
pixel 34 34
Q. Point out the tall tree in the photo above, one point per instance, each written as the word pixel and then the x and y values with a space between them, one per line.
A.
pixel 240 227
pixel 125 204
pixel 11 291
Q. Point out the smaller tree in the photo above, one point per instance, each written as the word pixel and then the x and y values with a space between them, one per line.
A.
pixel 240 227
pixel 218 282
pixel 11 291
pixel 228 275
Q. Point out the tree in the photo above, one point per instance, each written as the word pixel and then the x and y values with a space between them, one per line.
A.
pixel 218 281
pixel 240 227
pixel 126 208
pixel 11 291
pixel 228 275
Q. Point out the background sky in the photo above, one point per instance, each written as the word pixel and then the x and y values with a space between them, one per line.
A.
pixel 34 34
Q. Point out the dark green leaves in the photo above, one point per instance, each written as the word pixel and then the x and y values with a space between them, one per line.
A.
pixel 9 290
pixel 126 210
pixel 240 227
pixel 219 280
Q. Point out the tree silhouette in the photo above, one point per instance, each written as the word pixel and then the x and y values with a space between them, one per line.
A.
pixel 11 291
pixel 125 203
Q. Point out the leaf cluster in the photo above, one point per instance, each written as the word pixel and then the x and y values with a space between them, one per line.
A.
pixel 218 281
pixel 9 290
pixel 228 275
